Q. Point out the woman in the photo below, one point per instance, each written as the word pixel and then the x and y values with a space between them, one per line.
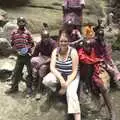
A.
pixel 64 70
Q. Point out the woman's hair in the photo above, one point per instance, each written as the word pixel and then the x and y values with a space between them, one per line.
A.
pixel 63 33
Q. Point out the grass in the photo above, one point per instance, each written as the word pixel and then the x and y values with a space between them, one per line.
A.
pixel 50 11
pixel 116 44
pixel 50 3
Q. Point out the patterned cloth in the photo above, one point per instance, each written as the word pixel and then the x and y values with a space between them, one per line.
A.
pixel 73 17
pixel 91 60
pixel 72 10
pixel 104 51
pixel 41 54
pixel 72 3
pixel 21 39
pixel 38 70
pixel 64 67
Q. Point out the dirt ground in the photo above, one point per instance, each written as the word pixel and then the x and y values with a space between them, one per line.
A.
pixel 18 107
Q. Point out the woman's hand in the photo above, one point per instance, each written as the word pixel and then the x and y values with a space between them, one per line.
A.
pixel 63 83
pixel 64 86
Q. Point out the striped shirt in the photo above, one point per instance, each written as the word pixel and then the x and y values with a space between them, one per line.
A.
pixel 64 67
pixel 21 39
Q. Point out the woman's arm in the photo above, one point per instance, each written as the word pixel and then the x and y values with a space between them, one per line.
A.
pixel 75 63
pixel 53 69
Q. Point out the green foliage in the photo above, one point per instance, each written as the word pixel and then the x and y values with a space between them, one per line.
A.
pixel 93 10
pixel 44 3
pixel 52 17
pixel 116 44
pixel 94 7
pixel 50 11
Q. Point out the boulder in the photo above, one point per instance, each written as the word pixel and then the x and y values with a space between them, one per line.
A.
pixel 3 17
pixel 2 12
pixel 2 35
pixel 6 67
pixel 8 28
pixel 5 47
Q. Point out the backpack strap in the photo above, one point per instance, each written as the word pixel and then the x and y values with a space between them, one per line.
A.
pixel 57 52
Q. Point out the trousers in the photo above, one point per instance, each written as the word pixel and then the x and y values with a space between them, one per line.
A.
pixel 51 81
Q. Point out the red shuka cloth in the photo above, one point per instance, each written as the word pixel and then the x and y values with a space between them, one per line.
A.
pixel 91 60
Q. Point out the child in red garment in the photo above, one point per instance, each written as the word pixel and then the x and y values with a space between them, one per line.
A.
pixel 88 57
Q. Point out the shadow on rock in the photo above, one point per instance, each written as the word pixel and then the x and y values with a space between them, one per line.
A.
pixel 4 74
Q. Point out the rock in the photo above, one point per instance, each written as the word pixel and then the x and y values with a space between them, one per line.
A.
pixel 3 17
pixel 115 8
pixel 5 74
pixel 8 28
pixel 5 47
pixel 2 35
pixel 12 57
pixel 9 64
pixel 3 13
pixel 6 67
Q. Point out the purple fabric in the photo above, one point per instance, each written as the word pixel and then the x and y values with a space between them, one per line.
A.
pixel 37 69
pixel 73 17
pixel 43 49
pixel 73 11
pixel 102 51
pixel 72 3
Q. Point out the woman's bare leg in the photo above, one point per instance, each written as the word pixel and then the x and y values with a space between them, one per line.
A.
pixel 77 116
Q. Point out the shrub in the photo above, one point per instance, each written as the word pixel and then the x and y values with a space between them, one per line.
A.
pixel 94 7
pixel 12 3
